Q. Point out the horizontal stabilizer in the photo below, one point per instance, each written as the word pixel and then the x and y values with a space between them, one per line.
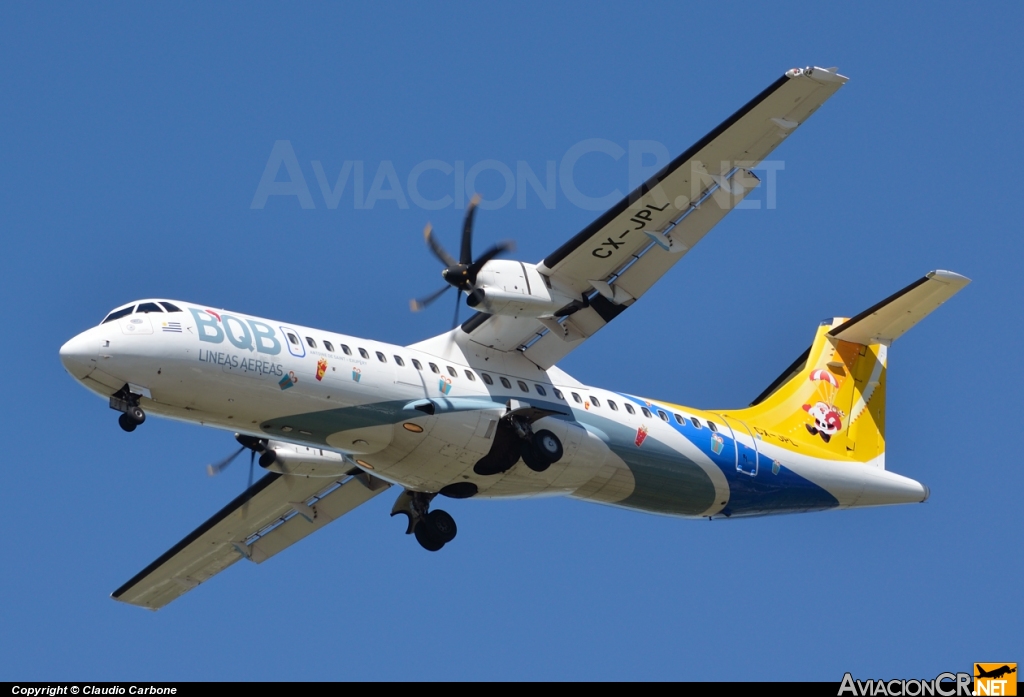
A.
pixel 889 319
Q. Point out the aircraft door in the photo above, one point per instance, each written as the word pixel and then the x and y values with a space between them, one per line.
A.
pixel 747 456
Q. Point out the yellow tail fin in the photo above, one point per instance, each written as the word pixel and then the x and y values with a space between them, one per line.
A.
pixel 831 401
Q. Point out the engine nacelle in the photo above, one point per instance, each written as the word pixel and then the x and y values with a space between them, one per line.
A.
pixel 514 288
pixel 285 458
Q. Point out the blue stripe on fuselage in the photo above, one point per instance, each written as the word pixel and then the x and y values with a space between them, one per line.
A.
pixel 767 492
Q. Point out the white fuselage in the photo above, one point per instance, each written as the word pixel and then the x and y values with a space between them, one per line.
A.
pixel 359 398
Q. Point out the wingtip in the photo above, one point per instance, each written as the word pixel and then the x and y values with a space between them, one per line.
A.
pixel 949 277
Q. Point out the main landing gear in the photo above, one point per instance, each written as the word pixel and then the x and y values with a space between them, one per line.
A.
pixel 127 402
pixel 515 438
pixel 433 529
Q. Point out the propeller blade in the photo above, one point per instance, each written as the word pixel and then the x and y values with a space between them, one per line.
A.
pixel 252 461
pixel 436 247
pixel 494 251
pixel 466 253
pixel 219 467
pixel 458 303
pixel 417 305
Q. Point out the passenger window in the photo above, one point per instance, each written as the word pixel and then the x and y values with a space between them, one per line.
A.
pixel 170 307
pixel 149 307
pixel 540 391
pixel 329 346
pixel 346 350
pixel 576 398
pixel 505 382
pixel 487 378
pixel 416 364
pixel 522 386
pixel 613 405
pixel 663 416
pixel 451 371
pixel 469 374
pixel 363 352
pixel 711 425
pixel 294 339
pixel 118 314
pixel 399 361
pixel 629 408
pixel 309 340
pixel 435 369
pixel 594 401
pixel 679 419
pixel 693 420
pixel 558 393
pixel 381 357
pixel 646 412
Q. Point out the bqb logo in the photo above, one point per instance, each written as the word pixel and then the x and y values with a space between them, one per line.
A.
pixel 995 679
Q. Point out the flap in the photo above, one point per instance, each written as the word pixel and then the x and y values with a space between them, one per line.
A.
pixel 272 514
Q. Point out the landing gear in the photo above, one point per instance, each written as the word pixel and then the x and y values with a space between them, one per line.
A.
pixel 541 450
pixel 515 438
pixel 433 529
pixel 127 402
pixel 131 419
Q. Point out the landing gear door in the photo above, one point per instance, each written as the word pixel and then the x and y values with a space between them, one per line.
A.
pixel 746 447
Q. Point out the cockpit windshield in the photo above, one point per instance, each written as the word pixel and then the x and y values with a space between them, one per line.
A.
pixel 118 314
pixel 140 308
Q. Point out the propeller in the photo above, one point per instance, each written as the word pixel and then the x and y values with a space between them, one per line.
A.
pixel 461 273
pixel 248 442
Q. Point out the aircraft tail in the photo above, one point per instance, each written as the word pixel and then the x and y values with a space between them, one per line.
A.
pixel 832 398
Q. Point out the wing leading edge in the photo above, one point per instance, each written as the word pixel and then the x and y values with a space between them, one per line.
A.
pixel 618 257
pixel 274 513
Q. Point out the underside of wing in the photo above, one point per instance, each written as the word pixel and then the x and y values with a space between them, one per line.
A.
pixel 618 257
pixel 272 514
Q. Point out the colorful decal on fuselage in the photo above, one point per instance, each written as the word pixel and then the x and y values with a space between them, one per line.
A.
pixel 321 368
pixel 288 380
pixel 356 374
pixel 717 443
pixel 444 385
pixel 641 435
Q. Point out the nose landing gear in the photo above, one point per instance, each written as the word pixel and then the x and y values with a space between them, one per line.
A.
pixel 433 529
pixel 127 402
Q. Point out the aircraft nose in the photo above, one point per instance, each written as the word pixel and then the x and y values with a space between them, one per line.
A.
pixel 79 355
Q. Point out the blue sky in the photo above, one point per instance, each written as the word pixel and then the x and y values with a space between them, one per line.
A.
pixel 134 138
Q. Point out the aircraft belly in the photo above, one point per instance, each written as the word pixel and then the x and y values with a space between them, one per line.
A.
pixel 666 477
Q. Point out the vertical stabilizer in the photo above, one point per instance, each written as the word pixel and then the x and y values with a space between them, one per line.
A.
pixel 831 401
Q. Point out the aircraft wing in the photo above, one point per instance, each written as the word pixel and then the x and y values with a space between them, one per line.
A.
pixel 618 257
pixel 272 514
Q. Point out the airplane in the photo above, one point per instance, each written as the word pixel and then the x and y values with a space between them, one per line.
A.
pixel 482 410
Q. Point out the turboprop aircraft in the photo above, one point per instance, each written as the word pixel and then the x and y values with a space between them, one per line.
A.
pixel 482 411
